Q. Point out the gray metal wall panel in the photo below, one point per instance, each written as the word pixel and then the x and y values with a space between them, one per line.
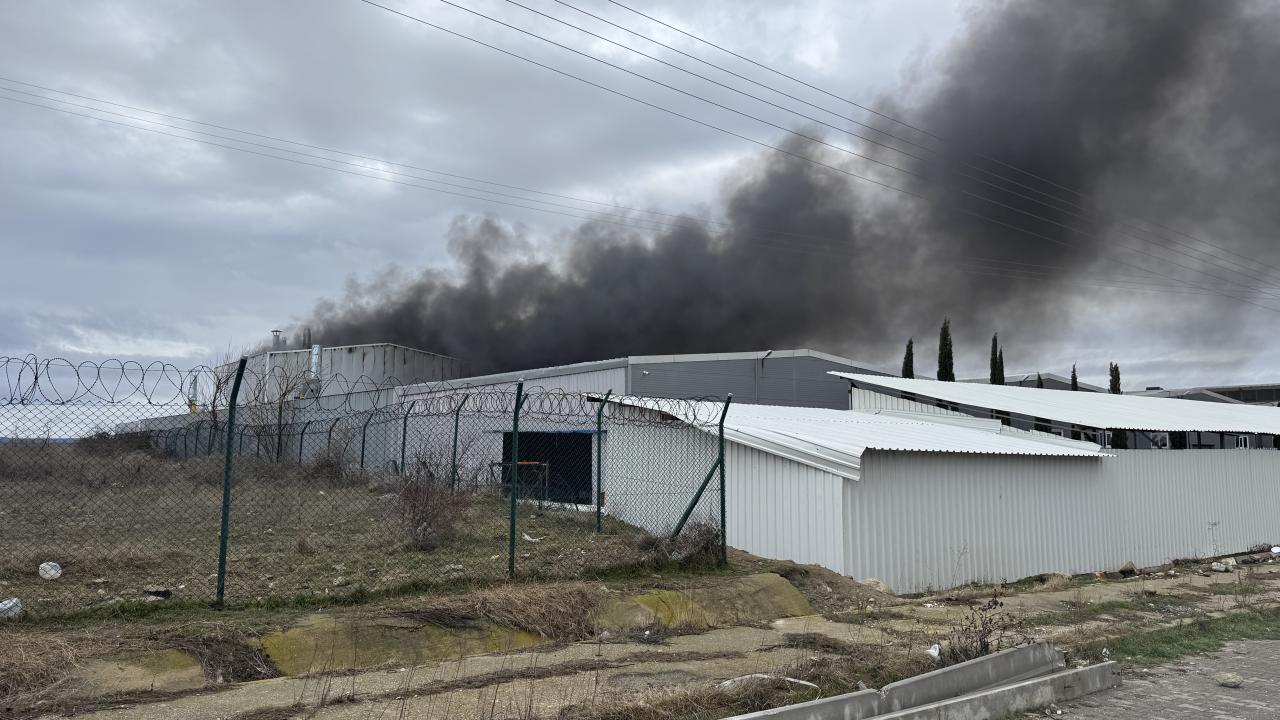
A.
pixel 920 521
pixel 797 381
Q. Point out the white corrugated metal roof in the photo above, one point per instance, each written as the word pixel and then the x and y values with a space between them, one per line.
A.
pixel 1095 410
pixel 834 440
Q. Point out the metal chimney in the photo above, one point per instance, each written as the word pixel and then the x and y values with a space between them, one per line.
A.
pixel 315 362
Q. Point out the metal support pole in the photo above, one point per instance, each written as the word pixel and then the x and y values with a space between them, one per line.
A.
pixel 404 436
pixel 453 464
pixel 302 439
pixel 224 531
pixel 328 440
pixel 724 524
pixel 717 466
pixel 364 434
pixel 600 462
pixel 515 479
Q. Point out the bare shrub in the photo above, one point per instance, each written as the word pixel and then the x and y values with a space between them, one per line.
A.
pixel 697 545
pixel 429 511
pixel 331 463
pixel 985 629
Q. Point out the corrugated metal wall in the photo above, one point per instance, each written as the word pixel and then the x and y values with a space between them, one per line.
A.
pixel 921 521
pixel 781 509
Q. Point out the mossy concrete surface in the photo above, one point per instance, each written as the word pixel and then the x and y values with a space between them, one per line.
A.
pixel 748 600
pixel 324 643
pixel 158 670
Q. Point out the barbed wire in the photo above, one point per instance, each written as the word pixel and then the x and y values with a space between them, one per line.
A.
pixel 284 398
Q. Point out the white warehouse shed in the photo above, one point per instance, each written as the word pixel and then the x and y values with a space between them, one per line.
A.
pixel 932 502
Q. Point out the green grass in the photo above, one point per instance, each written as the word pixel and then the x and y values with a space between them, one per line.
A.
pixel 1193 638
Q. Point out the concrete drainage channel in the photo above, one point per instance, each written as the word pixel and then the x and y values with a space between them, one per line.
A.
pixel 1015 680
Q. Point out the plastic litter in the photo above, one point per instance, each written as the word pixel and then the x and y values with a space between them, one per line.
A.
pixel 10 608
pixel 50 570
pixel 762 676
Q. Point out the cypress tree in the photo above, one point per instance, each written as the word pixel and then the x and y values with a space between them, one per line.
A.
pixel 994 376
pixel 909 360
pixel 1000 365
pixel 1075 379
pixel 946 360
pixel 1039 381
pixel 1115 379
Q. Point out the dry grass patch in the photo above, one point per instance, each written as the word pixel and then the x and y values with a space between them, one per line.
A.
pixel 32 664
pixel 564 612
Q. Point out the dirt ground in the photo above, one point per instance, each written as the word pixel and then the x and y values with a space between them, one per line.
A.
pixel 139 522
pixel 851 634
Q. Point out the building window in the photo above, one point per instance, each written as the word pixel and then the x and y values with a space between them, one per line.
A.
pixel 1242 442
pixel 1159 441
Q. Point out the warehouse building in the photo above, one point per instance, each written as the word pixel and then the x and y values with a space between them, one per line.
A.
pixel 770 377
pixel 1119 421
pixel 925 498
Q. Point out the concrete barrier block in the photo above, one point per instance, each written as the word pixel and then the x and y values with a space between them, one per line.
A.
pixel 860 705
pixel 1019 697
pixel 1002 668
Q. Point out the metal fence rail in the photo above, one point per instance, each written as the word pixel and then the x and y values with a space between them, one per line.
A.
pixel 141 488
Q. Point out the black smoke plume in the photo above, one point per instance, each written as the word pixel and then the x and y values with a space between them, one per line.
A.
pixel 1143 109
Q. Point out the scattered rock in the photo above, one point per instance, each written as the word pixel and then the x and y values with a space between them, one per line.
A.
pixel 387 499
pixel 1172 573
pixel 1128 569
pixel 878 585
pixel 156 591
pixel 341 582
pixel 97 581
pixel 1218 567
pixel 1229 562
pixel 50 570
pixel 1228 679
pixel 152 598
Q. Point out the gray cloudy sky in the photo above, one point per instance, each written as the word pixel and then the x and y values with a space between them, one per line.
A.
pixel 123 243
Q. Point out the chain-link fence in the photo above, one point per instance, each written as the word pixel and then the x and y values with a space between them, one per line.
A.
pixel 137 482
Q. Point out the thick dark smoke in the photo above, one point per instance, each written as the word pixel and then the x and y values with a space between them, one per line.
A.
pixel 1158 110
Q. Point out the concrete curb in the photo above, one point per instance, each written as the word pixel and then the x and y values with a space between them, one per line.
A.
pixel 1002 668
pixel 1026 695
pixel 1022 678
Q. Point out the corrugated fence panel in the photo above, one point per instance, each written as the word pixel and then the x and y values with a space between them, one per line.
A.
pixel 929 521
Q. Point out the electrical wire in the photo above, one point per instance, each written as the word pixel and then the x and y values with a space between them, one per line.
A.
pixel 767 145
pixel 1252 262
pixel 1242 270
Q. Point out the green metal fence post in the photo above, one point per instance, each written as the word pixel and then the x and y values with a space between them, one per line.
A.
pixel 225 529
pixel 600 462
pixel 364 434
pixel 453 464
pixel 404 436
pixel 718 465
pixel 515 479
pixel 302 439
pixel 724 524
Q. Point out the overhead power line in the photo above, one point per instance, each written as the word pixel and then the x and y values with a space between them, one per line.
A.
pixel 1249 263
pixel 1250 274
pixel 608 220
pixel 675 216
pixel 822 250
pixel 799 156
